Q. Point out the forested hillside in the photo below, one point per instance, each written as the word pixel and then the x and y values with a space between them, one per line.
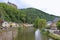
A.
pixel 32 13
pixel 28 15
pixel 9 13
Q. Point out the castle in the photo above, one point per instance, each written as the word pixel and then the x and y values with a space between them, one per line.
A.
pixel 12 4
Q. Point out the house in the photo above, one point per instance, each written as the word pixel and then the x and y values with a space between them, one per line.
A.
pixel 52 24
pixel 49 23
pixel 13 24
pixel 5 24
pixel 56 20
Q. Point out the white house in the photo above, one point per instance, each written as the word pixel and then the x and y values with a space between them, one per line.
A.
pixel 13 24
pixel 5 24
pixel 49 23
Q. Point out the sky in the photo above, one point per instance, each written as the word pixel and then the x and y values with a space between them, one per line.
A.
pixel 49 6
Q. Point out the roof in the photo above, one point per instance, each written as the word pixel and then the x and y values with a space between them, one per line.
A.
pixel 56 19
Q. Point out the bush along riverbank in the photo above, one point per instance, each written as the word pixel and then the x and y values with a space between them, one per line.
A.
pixel 54 36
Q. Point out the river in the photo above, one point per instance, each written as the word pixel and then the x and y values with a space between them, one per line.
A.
pixel 40 36
pixel 27 34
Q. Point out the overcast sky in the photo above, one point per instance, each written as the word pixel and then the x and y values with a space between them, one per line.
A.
pixel 49 6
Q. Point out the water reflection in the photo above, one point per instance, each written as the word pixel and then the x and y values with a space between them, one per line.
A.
pixel 40 36
pixel 27 34
pixel 37 35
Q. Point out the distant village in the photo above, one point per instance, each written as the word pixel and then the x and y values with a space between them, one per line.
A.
pixel 53 27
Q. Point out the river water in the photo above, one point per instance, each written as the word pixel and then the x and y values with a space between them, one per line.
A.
pixel 27 34
pixel 39 36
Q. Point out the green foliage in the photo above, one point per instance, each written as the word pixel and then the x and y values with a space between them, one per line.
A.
pixel 37 22
pixel 54 36
pixel 58 24
pixel 40 23
pixel 23 16
pixel 10 13
pixel 32 13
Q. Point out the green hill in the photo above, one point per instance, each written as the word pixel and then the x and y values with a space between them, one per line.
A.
pixel 32 13
pixel 10 13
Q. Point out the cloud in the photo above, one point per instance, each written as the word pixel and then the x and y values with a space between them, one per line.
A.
pixel 19 3
pixel 49 6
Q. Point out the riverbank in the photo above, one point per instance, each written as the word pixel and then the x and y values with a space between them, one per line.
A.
pixel 54 36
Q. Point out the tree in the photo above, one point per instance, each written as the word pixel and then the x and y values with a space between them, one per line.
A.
pixel 23 17
pixel 36 24
pixel 40 23
pixel 58 24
